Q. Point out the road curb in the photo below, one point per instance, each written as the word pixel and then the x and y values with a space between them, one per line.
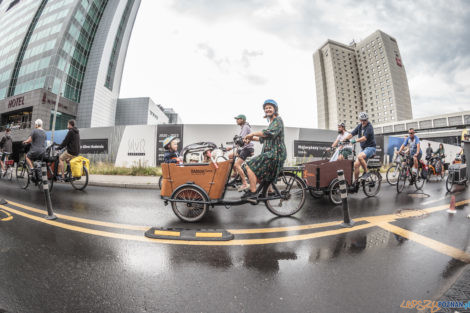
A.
pixel 121 185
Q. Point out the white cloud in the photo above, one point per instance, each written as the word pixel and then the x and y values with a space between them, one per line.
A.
pixel 212 59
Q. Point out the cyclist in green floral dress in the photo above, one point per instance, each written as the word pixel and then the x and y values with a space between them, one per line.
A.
pixel 267 165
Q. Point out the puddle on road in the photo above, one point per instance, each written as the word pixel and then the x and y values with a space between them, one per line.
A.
pixel 403 212
pixel 419 195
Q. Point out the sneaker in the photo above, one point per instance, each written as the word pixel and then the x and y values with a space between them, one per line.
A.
pixel 250 196
pixel 365 176
pixel 59 178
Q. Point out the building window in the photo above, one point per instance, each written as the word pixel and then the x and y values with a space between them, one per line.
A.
pixel 117 45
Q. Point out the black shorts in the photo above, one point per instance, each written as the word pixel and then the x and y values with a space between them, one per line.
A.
pixel 3 157
pixel 245 153
pixel 35 156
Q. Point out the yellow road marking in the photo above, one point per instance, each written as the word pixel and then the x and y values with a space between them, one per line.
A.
pixel 167 233
pixel 373 221
pixel 143 228
pixel 82 220
pixel 6 219
pixel 209 235
pixel 428 242
pixel 236 242
pixel 380 218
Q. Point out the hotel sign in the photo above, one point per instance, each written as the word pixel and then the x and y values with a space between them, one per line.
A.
pixel 16 102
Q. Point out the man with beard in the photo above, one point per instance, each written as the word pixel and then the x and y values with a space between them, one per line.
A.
pixel 346 149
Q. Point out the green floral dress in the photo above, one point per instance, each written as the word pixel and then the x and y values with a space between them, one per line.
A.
pixel 269 163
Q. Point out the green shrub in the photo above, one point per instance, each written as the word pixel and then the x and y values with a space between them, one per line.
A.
pixel 102 168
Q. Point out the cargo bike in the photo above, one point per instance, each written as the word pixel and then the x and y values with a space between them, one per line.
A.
pixel 193 188
pixel 322 179
pixel 458 174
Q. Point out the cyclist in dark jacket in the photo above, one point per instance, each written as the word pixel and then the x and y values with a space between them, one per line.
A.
pixel 72 145
pixel 6 147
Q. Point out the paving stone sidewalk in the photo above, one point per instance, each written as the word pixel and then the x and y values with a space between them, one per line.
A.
pixel 122 181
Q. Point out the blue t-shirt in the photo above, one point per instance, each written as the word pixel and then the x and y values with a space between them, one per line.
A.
pixel 368 132
pixel 413 144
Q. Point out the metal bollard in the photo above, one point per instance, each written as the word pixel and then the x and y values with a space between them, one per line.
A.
pixel 47 194
pixel 347 222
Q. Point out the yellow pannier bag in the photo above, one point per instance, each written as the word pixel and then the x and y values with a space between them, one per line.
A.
pixel 76 165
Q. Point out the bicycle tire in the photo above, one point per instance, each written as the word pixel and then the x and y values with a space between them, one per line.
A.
pixel 402 178
pixel 419 180
pixel 187 211
pixel 291 182
pixel 85 176
pixel 450 182
pixel 443 171
pixel 334 193
pixel 9 173
pixel 22 176
pixel 370 183
pixel 396 169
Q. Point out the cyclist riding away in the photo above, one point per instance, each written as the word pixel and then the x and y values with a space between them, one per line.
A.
pixel 245 152
pixel 346 149
pixel 37 139
pixel 171 155
pixel 267 165
pixel 429 152
pixel 6 148
pixel 72 145
pixel 365 134
pixel 415 150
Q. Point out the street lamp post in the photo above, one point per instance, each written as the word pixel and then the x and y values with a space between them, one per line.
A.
pixel 59 93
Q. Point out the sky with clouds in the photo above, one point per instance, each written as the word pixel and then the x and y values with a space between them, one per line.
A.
pixel 213 59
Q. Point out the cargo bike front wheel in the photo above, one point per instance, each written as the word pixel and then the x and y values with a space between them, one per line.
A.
pixel 191 203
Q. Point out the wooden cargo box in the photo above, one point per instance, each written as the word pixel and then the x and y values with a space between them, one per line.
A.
pixel 319 174
pixel 205 175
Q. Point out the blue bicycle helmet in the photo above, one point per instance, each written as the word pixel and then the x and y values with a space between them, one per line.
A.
pixel 271 102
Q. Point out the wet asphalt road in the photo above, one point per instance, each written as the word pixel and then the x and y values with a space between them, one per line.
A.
pixel 45 268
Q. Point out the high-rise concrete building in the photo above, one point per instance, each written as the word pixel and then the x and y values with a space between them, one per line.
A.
pixel 73 47
pixel 366 76
pixel 338 85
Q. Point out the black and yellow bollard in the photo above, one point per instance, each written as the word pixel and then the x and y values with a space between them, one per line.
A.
pixel 47 194
pixel 347 222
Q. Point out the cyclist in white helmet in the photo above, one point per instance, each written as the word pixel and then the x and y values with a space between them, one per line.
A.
pixel 365 134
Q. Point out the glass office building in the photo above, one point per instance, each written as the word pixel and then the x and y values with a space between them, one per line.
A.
pixel 73 47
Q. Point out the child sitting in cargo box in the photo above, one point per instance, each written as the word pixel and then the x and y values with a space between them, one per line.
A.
pixel 171 155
